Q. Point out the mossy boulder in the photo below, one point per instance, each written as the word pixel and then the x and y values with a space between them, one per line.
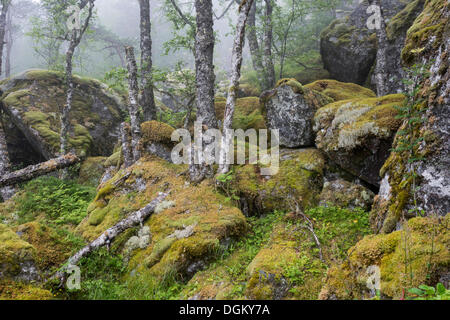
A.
pixel 247 114
pixel 33 100
pixel 290 108
pixel 425 242
pixel 427 42
pixel 345 194
pixel 299 179
pixel 357 134
pixel 349 48
pixel 156 139
pixel 340 90
pixel 186 230
pixel 17 257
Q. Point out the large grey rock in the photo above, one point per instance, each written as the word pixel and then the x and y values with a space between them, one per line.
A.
pixel 290 108
pixel 32 102
pixel 349 48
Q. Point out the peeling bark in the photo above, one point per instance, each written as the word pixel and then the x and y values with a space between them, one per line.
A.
pixel 134 219
pixel 239 40
pixel 37 170
pixel 204 67
pixel 125 137
pixel 148 97
pixel 133 107
pixel 6 193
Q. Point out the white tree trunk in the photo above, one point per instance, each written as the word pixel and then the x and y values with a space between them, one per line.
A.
pixel 236 61
pixel 133 107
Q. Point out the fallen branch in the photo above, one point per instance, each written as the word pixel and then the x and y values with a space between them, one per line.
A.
pixel 134 219
pixel 31 172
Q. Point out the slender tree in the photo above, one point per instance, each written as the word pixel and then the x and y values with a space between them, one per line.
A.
pixel 3 17
pixel 268 40
pixel 74 37
pixel 147 98
pixel 381 63
pixel 255 50
pixel 236 61
pixel 205 77
pixel 133 105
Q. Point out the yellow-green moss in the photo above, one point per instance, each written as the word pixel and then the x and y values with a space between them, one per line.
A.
pixel 293 83
pixel 299 178
pixel 425 241
pixel 91 171
pixel 247 114
pixel 13 252
pixel 154 131
pixel 11 290
pixel 341 91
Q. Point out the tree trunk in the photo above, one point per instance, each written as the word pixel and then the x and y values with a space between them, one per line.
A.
pixel 37 170
pixel 254 48
pixel 133 219
pixel 205 77
pixel 9 44
pixel 148 98
pixel 268 38
pixel 133 107
pixel 6 193
pixel 239 40
pixel 125 136
pixel 3 15
pixel 381 64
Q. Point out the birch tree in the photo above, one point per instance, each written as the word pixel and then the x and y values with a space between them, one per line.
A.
pixel 133 106
pixel 147 98
pixel 236 61
pixel 381 62
pixel 205 77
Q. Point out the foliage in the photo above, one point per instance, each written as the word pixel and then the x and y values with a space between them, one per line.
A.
pixel 64 202
pixel 424 292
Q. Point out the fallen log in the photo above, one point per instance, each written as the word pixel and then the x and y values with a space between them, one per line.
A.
pixel 132 220
pixel 31 172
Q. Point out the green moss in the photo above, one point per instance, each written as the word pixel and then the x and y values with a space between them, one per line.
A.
pixel 13 252
pixel 340 90
pixel 247 114
pixel 11 290
pixel 407 258
pixel 399 24
pixel 91 171
pixel 299 177
pixel 293 83
pixel 154 131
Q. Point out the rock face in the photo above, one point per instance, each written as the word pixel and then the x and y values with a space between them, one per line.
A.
pixel 348 47
pixel 32 101
pixel 300 179
pixel 428 41
pixel 345 194
pixel 290 107
pixel 357 134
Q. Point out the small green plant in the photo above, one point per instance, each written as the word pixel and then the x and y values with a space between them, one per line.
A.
pixel 62 202
pixel 424 292
pixel 225 182
pixel 413 114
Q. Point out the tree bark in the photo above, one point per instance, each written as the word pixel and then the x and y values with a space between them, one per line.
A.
pixel 205 77
pixel 134 219
pixel 37 170
pixel 3 15
pixel 381 63
pixel 255 50
pixel 239 40
pixel 75 39
pixel 9 44
pixel 148 97
pixel 268 38
pixel 125 136
pixel 133 107
pixel 6 193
